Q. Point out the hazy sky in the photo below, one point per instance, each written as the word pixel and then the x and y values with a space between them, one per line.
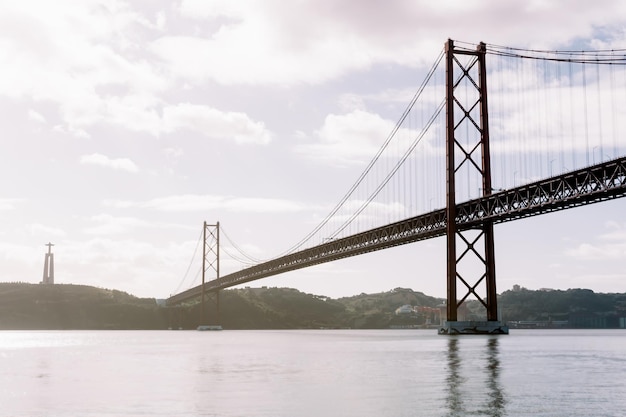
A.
pixel 125 125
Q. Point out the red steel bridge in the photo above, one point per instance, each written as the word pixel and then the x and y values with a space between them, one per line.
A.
pixel 467 220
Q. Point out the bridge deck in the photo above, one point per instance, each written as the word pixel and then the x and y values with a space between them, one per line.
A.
pixel 597 183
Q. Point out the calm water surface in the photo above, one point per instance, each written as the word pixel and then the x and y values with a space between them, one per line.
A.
pixel 312 373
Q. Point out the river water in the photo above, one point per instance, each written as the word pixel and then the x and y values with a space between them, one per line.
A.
pixel 312 373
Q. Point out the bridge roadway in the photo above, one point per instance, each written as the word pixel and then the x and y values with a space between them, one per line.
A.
pixel 597 183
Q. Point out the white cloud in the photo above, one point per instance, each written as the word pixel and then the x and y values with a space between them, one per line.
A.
pixel 75 55
pixel 104 62
pixel 616 232
pixel 610 245
pixel 9 203
pixel 173 153
pixel 215 124
pixel 15 252
pixel 195 202
pixel 137 112
pixel 122 164
pixel 594 252
pixel 264 205
pixel 351 102
pixel 72 130
pixel 36 117
pixel 347 139
pixel 109 225
pixel 274 42
pixel 260 44
pixel 184 203
pixel 37 229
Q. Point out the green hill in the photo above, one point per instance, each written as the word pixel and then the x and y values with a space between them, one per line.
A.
pixel 63 306
pixel 285 308
pixel 578 307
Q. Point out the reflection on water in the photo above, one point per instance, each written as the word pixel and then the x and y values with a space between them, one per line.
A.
pixel 474 383
pixel 496 401
pixel 454 399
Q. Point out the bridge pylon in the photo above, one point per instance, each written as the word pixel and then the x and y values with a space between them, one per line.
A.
pixel 470 252
pixel 210 262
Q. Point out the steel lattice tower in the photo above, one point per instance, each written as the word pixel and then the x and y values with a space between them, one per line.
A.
pixel 211 261
pixel 467 137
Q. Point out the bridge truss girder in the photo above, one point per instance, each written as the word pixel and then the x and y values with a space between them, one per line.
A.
pixel 601 182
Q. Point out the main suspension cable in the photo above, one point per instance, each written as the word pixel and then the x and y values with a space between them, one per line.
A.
pixel 248 259
pixel 391 173
pixel 190 263
pixel 598 57
pixel 360 179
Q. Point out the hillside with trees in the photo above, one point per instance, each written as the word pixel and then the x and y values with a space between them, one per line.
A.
pixel 284 308
pixel 579 308
pixel 76 307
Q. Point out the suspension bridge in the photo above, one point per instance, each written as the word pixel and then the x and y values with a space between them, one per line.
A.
pixel 462 158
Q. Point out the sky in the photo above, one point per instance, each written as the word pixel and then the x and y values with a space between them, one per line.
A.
pixel 127 124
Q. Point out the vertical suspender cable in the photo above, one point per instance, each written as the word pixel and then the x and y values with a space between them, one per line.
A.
pixel 585 111
pixel 599 112
pixel 561 127
pixel 572 116
pixel 612 82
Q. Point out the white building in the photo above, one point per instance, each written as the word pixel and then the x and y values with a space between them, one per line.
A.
pixel 405 309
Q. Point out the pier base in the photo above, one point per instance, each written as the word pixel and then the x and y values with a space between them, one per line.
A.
pixel 473 327
pixel 211 327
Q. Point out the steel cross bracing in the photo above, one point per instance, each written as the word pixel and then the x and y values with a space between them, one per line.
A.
pixel 468 136
pixel 597 183
pixel 210 261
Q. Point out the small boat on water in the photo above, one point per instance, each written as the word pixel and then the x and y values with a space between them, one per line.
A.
pixel 204 327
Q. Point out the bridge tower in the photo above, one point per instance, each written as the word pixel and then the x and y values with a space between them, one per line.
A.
pixel 210 262
pixel 470 252
pixel 48 266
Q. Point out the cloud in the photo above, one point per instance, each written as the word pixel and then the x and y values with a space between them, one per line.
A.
pixel 90 60
pixel 37 229
pixel 121 164
pixel 75 55
pixel 195 202
pixel 215 124
pixel 36 117
pixel 347 139
pixel 266 43
pixel 594 252
pixel 107 63
pixel 611 245
pixel 173 153
pixel 110 225
pixel 273 42
pixel 9 203
pixel 21 253
pixel 350 102
pixel 616 232
pixel 72 130
pixel 107 224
